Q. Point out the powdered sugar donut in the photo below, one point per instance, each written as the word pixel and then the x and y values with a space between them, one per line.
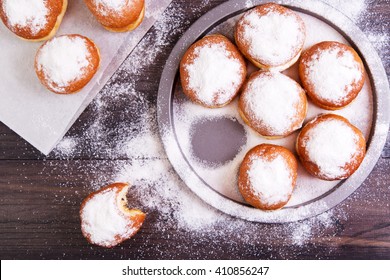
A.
pixel 330 147
pixel 332 74
pixel 272 104
pixel 65 64
pixel 267 176
pixel 33 20
pixel 212 71
pixel 105 219
pixel 271 36
pixel 118 15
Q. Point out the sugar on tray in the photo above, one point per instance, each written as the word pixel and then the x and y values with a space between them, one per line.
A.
pixel 30 14
pixel 215 74
pixel 63 60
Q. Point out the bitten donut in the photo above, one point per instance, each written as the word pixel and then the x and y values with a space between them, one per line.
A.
pixel 271 36
pixel 330 147
pixel 105 219
pixel 272 104
pixel 65 64
pixel 267 176
pixel 212 71
pixel 33 20
pixel 332 74
pixel 118 15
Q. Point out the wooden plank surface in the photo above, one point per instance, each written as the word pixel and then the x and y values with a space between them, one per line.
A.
pixel 40 196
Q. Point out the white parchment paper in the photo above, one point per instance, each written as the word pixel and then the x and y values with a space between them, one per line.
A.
pixel 39 116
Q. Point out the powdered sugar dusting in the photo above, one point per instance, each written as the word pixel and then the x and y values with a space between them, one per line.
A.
pixel 171 207
pixel 63 60
pixel 159 189
pixel 223 177
pixel 270 178
pixel 103 221
pixel 352 9
pixel 249 3
pixel 274 100
pixel 333 73
pixel 214 75
pixel 66 146
pixel 331 144
pixel 116 5
pixel 29 14
pixel 273 39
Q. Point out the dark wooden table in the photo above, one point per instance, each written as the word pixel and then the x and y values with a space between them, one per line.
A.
pixel 40 196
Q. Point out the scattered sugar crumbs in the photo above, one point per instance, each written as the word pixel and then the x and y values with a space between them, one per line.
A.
pixel 138 157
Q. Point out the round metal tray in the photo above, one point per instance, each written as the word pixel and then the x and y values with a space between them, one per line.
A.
pixel 375 143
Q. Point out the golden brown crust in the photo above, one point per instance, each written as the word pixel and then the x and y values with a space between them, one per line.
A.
pixel 258 125
pixel 77 85
pixel 244 46
pixel 136 217
pixel 57 9
pixel 307 57
pixel 267 152
pixel 312 167
pixel 131 26
pixel 127 19
pixel 190 56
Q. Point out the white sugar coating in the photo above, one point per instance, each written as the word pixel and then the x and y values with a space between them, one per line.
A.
pixel 270 179
pixel 333 74
pixel 214 75
pixel 331 144
pixel 63 60
pixel 108 6
pixel 26 13
pixel 116 5
pixel 102 219
pixel 273 39
pixel 273 99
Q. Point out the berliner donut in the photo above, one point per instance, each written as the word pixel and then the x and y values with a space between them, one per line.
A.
pixel 332 74
pixel 118 15
pixel 212 71
pixel 330 147
pixel 105 219
pixel 33 20
pixel 272 104
pixel 271 36
pixel 65 64
pixel 267 176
